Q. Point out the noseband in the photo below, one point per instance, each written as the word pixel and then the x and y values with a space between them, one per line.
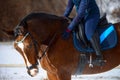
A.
pixel 32 66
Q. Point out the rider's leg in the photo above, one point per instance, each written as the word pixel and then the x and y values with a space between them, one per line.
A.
pixel 96 46
pixel 90 28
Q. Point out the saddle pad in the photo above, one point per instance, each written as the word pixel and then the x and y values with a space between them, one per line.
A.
pixel 108 39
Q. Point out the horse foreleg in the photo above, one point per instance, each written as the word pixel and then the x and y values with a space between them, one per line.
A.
pixel 58 76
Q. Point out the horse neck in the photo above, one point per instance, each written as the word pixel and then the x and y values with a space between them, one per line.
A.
pixel 43 30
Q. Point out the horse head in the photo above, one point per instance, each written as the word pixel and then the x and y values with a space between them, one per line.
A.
pixel 26 45
pixel 32 35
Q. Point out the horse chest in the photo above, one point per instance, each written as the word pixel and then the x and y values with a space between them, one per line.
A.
pixel 47 65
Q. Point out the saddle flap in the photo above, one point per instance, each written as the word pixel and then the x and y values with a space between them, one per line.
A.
pixel 108 37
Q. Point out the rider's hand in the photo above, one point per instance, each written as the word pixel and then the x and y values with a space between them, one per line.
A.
pixel 66 34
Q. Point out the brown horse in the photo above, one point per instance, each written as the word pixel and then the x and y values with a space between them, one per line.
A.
pixel 38 37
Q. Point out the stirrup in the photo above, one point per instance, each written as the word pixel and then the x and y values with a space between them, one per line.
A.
pixel 99 62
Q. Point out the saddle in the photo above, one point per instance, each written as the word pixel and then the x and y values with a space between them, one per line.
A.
pixel 107 35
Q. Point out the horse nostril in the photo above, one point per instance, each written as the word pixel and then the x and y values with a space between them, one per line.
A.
pixel 36 71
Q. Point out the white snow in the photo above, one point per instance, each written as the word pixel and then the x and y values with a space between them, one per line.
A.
pixel 111 8
pixel 12 68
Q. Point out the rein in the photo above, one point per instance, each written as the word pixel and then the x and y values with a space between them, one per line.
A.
pixel 44 52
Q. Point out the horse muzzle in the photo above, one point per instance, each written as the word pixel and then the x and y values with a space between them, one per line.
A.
pixel 33 70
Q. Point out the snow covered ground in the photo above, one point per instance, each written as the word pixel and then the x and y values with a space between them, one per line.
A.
pixel 12 68
pixel 19 73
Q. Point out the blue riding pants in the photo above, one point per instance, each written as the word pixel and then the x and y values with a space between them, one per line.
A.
pixel 91 22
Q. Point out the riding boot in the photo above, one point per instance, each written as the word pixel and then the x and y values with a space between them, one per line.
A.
pixel 96 46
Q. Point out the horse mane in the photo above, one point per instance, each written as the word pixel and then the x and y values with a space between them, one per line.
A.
pixel 51 19
pixel 31 16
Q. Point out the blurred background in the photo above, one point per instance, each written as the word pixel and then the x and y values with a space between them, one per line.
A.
pixel 12 12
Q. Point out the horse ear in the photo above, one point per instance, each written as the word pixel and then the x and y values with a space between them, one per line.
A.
pixel 43 47
pixel 19 30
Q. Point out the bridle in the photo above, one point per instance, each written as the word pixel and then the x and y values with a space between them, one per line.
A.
pixel 35 42
pixel 21 41
pixel 36 47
